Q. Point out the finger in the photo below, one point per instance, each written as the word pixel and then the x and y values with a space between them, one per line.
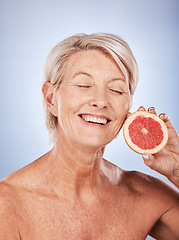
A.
pixel 141 108
pixel 149 160
pixel 167 121
pixel 152 110
pixel 164 117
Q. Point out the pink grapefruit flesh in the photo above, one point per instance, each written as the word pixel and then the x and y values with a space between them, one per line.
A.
pixel 145 132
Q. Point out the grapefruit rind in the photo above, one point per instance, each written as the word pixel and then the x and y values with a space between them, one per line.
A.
pixel 133 146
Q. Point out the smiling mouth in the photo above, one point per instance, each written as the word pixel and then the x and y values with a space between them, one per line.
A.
pixel 93 119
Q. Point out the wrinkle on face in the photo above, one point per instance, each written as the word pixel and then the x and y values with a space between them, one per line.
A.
pixel 93 76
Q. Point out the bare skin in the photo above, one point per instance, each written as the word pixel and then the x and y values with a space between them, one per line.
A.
pixel 72 192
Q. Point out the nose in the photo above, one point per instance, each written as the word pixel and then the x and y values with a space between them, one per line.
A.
pixel 99 99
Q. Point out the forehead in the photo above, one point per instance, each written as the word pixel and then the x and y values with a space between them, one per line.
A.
pixel 94 61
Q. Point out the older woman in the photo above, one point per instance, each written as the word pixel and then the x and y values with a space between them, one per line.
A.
pixel 72 192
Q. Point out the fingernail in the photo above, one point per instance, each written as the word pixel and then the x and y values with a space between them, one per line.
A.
pixel 141 108
pixel 146 157
pixel 163 116
pixel 151 108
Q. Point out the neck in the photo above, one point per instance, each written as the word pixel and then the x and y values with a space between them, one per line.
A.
pixel 75 169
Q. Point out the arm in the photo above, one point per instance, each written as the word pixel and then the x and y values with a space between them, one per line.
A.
pixel 167 227
pixel 8 229
pixel 166 162
pixel 8 220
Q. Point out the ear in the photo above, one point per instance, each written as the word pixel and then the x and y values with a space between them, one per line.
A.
pixel 48 91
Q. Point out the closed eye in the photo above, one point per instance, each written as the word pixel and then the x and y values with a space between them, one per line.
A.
pixel 84 86
pixel 116 91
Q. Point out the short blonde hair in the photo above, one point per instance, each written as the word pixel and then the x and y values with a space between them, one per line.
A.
pixel 56 63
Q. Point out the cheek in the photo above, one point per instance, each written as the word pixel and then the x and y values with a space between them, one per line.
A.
pixel 121 111
pixel 123 106
pixel 128 104
pixel 69 103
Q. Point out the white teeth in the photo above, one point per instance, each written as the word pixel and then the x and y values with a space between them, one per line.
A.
pixel 94 119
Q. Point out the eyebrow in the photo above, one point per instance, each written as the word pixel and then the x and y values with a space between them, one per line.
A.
pixel 118 79
pixel 82 73
pixel 89 75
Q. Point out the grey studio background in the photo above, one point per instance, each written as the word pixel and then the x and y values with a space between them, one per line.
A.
pixel 30 29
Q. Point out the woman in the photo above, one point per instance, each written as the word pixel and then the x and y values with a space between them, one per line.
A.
pixel 72 192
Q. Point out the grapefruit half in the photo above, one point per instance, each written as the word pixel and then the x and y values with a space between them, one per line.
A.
pixel 145 132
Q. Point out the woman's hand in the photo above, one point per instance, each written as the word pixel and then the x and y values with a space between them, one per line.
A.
pixel 166 161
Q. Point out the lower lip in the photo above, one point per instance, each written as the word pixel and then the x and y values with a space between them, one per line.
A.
pixel 95 125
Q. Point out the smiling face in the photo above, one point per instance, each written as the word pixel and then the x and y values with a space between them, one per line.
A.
pixel 92 100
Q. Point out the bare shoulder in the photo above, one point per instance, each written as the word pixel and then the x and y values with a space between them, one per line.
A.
pixel 26 176
pixel 147 184
pixel 6 194
pixel 15 190
pixel 161 198
pixel 157 192
pixel 10 188
pixel 160 193
pixel 15 184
